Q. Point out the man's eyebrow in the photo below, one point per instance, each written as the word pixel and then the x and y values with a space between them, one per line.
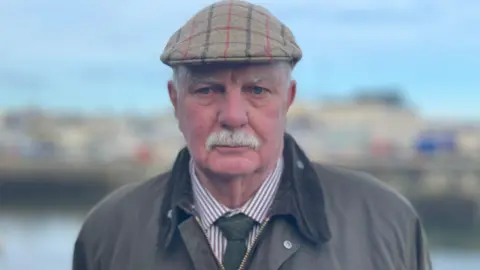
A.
pixel 196 79
pixel 255 80
pixel 208 79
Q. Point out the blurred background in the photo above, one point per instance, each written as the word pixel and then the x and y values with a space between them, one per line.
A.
pixel 388 87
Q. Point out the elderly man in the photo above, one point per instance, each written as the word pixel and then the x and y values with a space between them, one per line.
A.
pixel 242 194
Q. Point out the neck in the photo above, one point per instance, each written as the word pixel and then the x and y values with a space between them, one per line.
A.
pixel 233 191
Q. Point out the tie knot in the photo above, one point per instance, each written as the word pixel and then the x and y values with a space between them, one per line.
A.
pixel 236 227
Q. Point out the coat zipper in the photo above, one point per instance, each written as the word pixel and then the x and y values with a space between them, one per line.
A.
pixel 249 250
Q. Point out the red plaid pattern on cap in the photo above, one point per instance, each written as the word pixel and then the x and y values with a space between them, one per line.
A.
pixel 231 31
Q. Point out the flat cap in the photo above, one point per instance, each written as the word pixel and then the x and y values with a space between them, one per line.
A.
pixel 231 31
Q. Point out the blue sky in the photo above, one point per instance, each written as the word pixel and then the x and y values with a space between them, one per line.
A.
pixel 95 55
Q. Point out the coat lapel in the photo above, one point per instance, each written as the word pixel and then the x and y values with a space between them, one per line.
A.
pixel 300 195
pixel 197 245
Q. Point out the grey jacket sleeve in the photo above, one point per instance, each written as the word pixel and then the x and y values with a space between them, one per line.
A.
pixel 421 255
pixel 81 260
pixel 86 250
pixel 91 244
pixel 93 241
pixel 97 235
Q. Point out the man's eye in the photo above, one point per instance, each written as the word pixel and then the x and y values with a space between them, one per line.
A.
pixel 257 90
pixel 204 91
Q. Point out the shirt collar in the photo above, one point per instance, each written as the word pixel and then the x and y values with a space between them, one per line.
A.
pixel 209 209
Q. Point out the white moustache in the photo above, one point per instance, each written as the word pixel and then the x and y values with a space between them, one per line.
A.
pixel 229 138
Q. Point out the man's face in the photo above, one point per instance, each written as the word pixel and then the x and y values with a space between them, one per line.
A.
pixel 233 117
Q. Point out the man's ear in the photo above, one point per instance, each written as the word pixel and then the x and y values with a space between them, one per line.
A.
pixel 173 94
pixel 292 92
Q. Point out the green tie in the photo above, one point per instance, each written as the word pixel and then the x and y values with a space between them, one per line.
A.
pixel 236 230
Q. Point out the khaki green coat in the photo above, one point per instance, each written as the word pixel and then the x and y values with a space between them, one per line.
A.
pixel 323 217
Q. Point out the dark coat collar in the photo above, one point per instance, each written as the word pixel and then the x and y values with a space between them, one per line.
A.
pixel 299 197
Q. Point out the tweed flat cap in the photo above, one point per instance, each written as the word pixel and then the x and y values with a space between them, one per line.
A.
pixel 231 31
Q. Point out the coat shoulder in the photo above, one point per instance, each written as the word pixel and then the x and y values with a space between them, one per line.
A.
pixel 114 219
pixel 344 186
pixel 123 202
pixel 386 217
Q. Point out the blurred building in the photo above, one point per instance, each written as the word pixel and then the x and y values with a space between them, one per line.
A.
pixel 372 123
pixel 368 123
pixel 469 141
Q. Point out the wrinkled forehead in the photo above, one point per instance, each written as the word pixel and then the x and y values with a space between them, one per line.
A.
pixel 236 72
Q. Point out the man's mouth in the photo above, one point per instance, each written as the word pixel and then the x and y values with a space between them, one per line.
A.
pixel 230 148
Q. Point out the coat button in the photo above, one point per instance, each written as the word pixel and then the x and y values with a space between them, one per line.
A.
pixel 169 214
pixel 287 244
pixel 300 164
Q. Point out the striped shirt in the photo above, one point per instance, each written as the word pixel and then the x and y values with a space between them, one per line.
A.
pixel 208 209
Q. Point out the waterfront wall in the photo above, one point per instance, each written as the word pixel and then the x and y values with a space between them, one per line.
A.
pixel 445 194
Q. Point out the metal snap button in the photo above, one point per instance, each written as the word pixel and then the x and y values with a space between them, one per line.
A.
pixel 287 244
pixel 169 214
pixel 300 164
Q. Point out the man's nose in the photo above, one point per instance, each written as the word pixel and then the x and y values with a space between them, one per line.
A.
pixel 233 110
